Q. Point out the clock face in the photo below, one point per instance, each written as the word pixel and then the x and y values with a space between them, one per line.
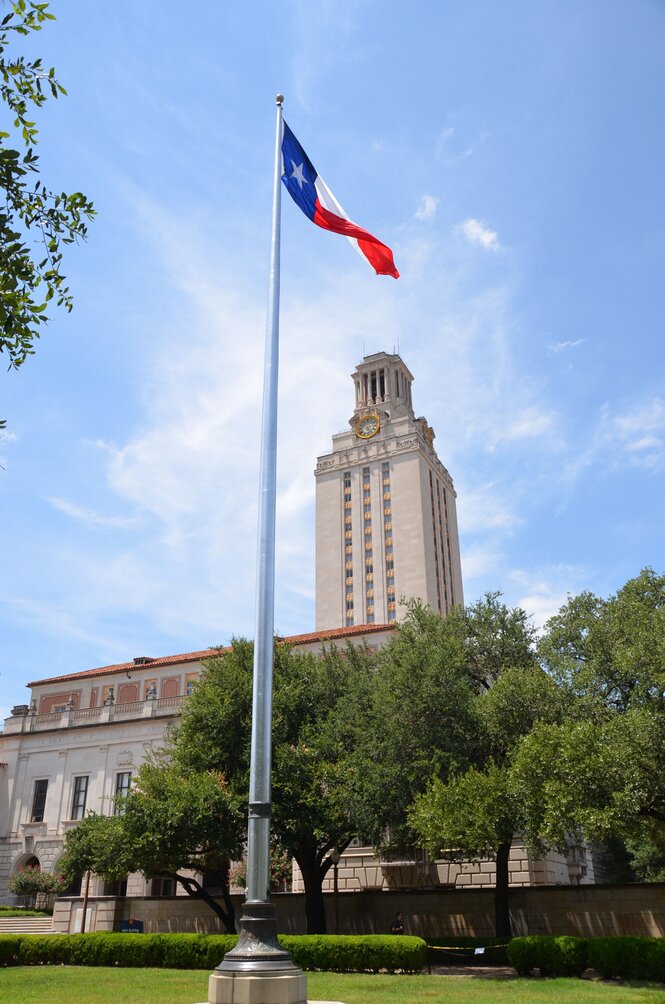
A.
pixel 368 426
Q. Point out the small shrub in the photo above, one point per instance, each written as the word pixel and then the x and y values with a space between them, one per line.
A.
pixel 357 953
pixel 31 881
pixel 628 958
pixel 10 949
pixel 554 956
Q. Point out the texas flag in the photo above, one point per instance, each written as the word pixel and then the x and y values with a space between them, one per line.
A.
pixel 309 191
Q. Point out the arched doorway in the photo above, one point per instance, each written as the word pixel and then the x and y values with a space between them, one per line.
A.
pixel 26 861
pixel 22 896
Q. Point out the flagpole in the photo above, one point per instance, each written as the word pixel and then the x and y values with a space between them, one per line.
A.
pixel 258 952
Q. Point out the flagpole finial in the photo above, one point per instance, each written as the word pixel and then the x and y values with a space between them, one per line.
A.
pixel 280 99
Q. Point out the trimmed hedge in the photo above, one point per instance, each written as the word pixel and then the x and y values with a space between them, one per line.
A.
pixel 554 956
pixel 460 951
pixel 629 958
pixel 21 911
pixel 357 953
pixel 340 953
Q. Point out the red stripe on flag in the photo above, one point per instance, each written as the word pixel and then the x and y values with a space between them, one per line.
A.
pixel 378 255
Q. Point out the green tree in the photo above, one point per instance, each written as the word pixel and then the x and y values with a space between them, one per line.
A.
pixel 475 814
pixel 495 637
pixel 31 213
pixel 599 774
pixel 178 822
pixel 595 780
pixel 612 652
pixel 472 817
pixel 441 703
pixel 172 824
pixel 417 722
pixel 32 883
pixel 312 813
pixel 98 844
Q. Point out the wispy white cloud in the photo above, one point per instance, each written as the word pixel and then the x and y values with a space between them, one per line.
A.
pixel 542 592
pixel 443 139
pixel 313 63
pixel 530 422
pixel 478 563
pixel 482 509
pixel 448 147
pixel 641 434
pixel 634 437
pixel 477 233
pixel 427 208
pixel 92 519
pixel 555 347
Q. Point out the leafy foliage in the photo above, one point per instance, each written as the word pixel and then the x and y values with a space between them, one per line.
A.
pixel 417 722
pixel 31 212
pixel 173 823
pixel 98 844
pixel 313 701
pixel 628 958
pixel 553 955
pixel 359 953
pixel 31 881
pixel 471 810
pixel 598 773
pixel 469 817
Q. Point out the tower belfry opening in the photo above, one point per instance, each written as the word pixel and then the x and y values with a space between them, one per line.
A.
pixel 386 520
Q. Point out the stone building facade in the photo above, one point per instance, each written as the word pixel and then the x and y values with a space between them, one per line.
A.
pixel 78 741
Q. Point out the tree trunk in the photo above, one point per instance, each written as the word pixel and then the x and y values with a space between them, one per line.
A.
pixel 196 891
pixel 312 876
pixel 501 891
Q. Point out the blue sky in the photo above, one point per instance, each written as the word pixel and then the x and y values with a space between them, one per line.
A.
pixel 512 155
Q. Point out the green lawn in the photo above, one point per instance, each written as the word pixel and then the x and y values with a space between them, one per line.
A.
pixel 64 985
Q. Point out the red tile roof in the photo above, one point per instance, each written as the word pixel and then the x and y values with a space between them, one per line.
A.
pixel 333 634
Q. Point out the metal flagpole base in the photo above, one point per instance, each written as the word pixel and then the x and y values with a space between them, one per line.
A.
pixel 258 970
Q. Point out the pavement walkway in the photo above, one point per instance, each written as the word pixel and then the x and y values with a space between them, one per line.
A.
pixel 477 972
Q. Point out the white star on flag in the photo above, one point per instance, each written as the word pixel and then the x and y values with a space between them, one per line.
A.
pixel 297 173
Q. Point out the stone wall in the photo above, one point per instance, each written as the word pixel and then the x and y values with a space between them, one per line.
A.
pixel 588 911
pixel 361 869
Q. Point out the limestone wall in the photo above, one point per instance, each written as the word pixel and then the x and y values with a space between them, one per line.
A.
pixel 589 911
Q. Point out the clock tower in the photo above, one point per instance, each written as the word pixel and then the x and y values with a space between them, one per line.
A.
pixel 386 521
